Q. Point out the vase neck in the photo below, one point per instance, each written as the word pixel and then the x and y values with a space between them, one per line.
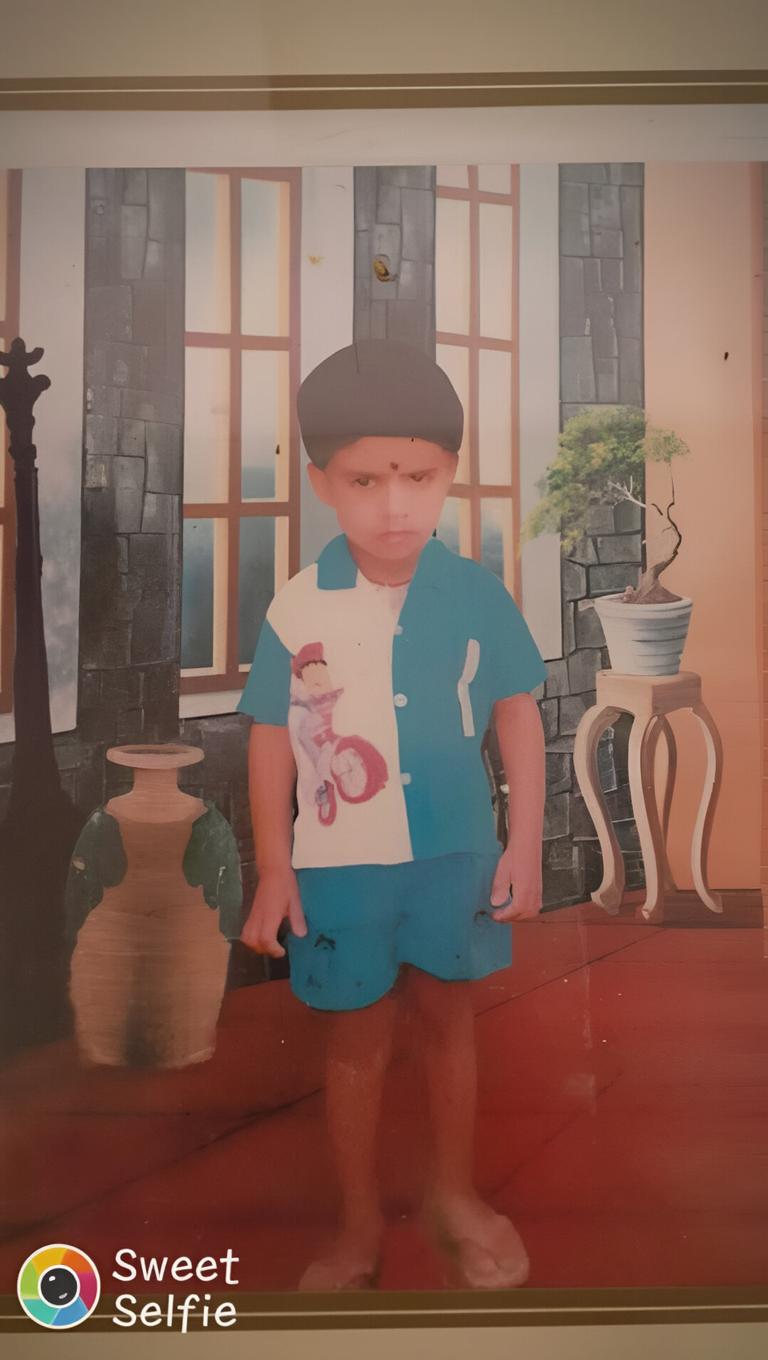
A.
pixel 156 794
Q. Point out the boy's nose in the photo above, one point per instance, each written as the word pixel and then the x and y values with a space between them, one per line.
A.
pixel 396 500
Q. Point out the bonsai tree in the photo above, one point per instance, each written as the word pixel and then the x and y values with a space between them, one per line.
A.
pixel 601 459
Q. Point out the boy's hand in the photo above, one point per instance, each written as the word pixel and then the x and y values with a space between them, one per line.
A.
pixel 276 896
pixel 519 876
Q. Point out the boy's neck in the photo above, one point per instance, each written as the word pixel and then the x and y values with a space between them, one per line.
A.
pixel 383 572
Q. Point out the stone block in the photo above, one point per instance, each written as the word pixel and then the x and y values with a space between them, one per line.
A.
pixel 161 514
pixel 108 313
pixel 385 242
pixel 149 312
pixel 557 678
pixel 378 320
pixel 619 548
pixel 612 274
pixel 556 822
pixel 154 261
pixel 627 516
pixel 589 630
pixel 584 172
pixel 126 365
pixel 582 826
pixel 601 325
pixel 573 315
pixel 626 172
pixel 363 255
pixel 130 438
pixel 607 378
pixel 629 320
pixel 388 206
pixel 599 519
pixel 99 184
pixel 574 221
pixel 98 510
pixel 418 224
pixel 607 243
pixel 163 457
pixel 121 688
pixel 562 887
pixel 100 438
pixel 167 196
pixel 96 262
pixel 150 631
pixel 110 647
pixel 572 709
pixel 607 580
pixel 133 237
pixel 569 633
pixel 548 710
pixel 583 552
pixel 135 186
pixel 559 776
pixel 630 372
pixel 122 542
pixel 102 401
pixel 408 176
pixel 631 221
pixel 161 406
pixel 128 476
pixel 574 580
pixel 604 206
pixel 582 667
pixel 365 189
pixel 415 283
pixel 577 374
pixel 98 218
pixel 408 321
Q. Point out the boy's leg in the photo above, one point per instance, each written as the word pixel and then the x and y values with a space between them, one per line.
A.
pixel 492 1252
pixel 359 1046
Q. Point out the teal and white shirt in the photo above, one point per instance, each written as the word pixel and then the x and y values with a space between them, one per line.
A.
pixel 387 693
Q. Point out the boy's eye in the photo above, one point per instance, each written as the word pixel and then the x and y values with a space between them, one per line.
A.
pixel 363 481
pixel 419 476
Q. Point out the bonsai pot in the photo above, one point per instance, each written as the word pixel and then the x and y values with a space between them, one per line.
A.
pixel 644 639
pixel 153 898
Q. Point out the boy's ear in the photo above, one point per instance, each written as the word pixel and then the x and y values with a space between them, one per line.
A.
pixel 318 482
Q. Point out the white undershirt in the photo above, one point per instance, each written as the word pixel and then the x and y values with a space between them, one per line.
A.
pixel 393 596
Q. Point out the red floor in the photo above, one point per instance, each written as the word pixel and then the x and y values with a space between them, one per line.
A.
pixel 622 1123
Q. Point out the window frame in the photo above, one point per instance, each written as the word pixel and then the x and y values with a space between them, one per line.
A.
pixel 473 492
pixel 232 678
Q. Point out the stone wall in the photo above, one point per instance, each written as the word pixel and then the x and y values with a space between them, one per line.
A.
pixel 395 223
pixel 601 262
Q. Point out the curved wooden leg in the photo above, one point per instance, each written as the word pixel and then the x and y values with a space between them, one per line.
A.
pixel 646 816
pixel 590 729
pixel 659 726
pixel 706 812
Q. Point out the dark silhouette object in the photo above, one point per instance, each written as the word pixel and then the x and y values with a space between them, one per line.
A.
pixel 41 824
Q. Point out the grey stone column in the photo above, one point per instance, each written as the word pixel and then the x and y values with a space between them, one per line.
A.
pixel 395 224
pixel 134 410
pixel 601 362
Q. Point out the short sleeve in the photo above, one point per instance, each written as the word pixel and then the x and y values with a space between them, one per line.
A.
pixel 266 694
pixel 516 664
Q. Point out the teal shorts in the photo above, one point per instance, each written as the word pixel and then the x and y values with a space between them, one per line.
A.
pixel 364 920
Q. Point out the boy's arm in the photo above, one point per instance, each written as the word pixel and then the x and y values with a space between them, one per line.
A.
pixel 521 743
pixel 271 780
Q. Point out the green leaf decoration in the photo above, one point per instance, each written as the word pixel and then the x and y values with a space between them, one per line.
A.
pixel 98 861
pixel 212 862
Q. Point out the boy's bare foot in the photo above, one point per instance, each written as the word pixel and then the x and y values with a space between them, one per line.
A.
pixel 350 1261
pixel 486 1248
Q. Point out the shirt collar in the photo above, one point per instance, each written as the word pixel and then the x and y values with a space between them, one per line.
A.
pixel 337 568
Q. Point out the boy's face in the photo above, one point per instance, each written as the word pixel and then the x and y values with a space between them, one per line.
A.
pixel 387 492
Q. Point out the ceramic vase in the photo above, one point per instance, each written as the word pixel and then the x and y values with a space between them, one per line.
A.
pixel 153 898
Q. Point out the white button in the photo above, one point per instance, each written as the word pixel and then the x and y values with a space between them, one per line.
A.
pixel 405 778
pixel 400 701
pixel 398 629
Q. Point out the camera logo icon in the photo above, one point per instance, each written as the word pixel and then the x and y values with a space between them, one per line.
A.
pixel 58 1286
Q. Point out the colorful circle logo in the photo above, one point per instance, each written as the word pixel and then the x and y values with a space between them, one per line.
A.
pixel 58 1286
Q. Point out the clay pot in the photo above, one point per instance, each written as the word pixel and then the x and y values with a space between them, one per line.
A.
pixel 149 968
pixel 644 639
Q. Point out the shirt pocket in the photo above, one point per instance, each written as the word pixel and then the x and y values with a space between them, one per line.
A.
pixel 469 671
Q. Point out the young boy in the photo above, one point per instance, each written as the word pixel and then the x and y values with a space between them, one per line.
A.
pixel 376 673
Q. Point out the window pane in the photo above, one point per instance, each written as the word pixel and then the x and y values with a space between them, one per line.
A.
pixel 495 417
pixel 454 360
pixel 207 252
pixel 494 179
pixel 257 579
pixel 452 265
pixel 453 527
pixel 206 424
pixel 496 271
pixel 264 266
pixel 454 176
pixel 496 537
pixel 197 594
pixel 265 425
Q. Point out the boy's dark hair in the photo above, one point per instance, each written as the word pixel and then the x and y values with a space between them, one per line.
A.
pixel 377 387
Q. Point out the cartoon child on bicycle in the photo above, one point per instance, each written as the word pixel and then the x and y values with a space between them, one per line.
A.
pixel 347 764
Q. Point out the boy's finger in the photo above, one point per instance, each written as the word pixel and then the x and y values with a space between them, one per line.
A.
pixel 296 917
